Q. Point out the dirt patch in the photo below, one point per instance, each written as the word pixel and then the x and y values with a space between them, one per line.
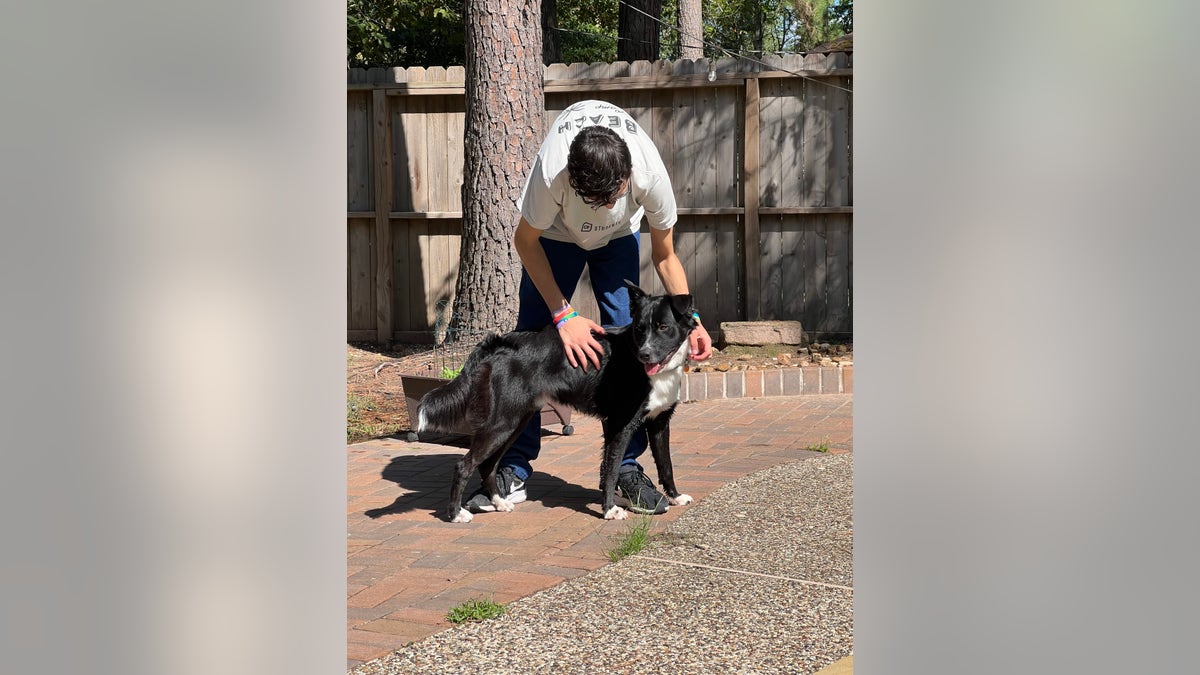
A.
pixel 375 403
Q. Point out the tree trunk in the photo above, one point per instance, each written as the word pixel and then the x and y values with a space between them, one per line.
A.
pixel 503 130
pixel 758 30
pixel 637 34
pixel 551 47
pixel 691 30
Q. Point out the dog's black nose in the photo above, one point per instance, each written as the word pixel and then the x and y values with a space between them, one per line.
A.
pixel 644 355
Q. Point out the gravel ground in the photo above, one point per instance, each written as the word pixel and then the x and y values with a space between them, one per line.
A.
pixel 781 603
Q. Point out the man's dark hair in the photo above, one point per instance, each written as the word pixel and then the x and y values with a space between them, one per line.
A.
pixel 597 164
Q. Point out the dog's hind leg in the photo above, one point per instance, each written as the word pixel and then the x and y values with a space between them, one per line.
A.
pixel 659 432
pixel 486 450
pixel 463 469
pixel 487 469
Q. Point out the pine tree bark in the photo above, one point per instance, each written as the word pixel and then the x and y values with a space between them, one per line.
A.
pixel 503 130
pixel 691 30
pixel 637 34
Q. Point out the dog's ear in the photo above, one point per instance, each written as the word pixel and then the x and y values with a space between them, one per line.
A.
pixel 635 291
pixel 682 304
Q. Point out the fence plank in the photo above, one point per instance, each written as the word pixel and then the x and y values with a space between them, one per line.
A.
pixel 729 271
pixel 685 247
pixel 420 314
pixel 770 139
pixel 685 152
pixel 751 190
pixel 796 121
pixel 455 123
pixel 649 281
pixel 815 145
pixel 772 269
pixel 705 136
pixel 360 277
pixel 382 168
pixel 663 132
pixel 838 318
pixel 415 148
pixel 358 151
pixel 439 169
pixel 812 260
pixel 703 287
pixel 727 139
pixel 791 269
pixel 444 249
pixel 402 262
pixel 838 123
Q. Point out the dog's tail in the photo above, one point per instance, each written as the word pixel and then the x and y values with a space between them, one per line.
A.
pixel 446 407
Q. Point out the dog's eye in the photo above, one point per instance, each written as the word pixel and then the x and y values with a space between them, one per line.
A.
pixel 662 327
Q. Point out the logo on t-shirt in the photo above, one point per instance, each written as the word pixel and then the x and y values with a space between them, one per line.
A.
pixel 612 121
pixel 589 227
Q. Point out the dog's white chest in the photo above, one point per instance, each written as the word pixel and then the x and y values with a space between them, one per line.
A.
pixel 665 384
pixel 664 391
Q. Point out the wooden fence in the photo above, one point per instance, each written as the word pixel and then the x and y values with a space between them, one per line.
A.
pixel 760 159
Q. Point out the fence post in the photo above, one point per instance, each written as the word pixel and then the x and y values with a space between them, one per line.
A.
pixel 382 168
pixel 750 170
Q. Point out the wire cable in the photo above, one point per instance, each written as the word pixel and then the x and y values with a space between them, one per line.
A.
pixel 730 53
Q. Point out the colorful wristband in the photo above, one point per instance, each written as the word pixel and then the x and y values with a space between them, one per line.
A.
pixel 562 313
pixel 695 315
pixel 570 315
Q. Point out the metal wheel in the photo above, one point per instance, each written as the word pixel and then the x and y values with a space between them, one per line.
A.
pixel 568 429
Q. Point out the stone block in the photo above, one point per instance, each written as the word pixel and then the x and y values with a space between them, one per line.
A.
pixel 761 332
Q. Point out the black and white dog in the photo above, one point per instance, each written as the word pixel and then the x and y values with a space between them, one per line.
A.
pixel 507 378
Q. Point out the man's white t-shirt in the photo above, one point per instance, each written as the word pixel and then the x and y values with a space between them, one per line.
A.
pixel 549 204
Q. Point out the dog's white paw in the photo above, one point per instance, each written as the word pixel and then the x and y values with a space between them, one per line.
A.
pixel 681 500
pixel 464 516
pixel 616 513
pixel 502 504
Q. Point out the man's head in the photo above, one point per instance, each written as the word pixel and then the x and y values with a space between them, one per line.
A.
pixel 598 165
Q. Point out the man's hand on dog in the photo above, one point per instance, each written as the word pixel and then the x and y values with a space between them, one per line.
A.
pixel 580 345
pixel 699 344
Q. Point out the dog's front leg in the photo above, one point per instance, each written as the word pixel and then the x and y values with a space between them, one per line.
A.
pixel 659 432
pixel 616 441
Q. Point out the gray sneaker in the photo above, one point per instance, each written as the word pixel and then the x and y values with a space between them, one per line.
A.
pixel 637 488
pixel 511 488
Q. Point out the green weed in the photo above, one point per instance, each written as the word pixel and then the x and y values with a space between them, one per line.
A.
pixel 475 609
pixel 823 446
pixel 636 538
pixel 356 428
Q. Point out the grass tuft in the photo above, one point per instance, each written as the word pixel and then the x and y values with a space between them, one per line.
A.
pixel 356 428
pixel 475 609
pixel 823 446
pixel 636 538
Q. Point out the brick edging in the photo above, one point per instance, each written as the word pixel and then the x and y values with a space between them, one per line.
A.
pixel 768 382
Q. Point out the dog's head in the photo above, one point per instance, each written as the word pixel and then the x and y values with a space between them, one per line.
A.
pixel 661 325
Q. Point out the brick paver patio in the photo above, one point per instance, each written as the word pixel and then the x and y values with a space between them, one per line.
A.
pixel 407 566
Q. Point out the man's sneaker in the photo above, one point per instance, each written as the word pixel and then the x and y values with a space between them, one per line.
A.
pixel 640 492
pixel 511 488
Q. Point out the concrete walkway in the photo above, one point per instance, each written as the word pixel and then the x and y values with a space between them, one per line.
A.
pixel 407 567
